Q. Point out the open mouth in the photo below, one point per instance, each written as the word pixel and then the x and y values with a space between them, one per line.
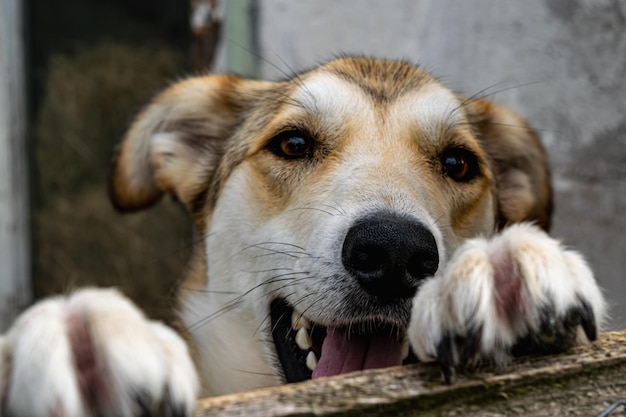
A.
pixel 308 350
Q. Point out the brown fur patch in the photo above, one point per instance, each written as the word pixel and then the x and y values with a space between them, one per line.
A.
pixel 519 162
pixel 383 80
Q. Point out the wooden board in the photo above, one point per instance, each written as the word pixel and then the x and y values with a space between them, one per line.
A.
pixel 581 382
pixel 14 210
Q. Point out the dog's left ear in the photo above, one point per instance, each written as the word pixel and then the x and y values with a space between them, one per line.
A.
pixel 519 162
pixel 175 144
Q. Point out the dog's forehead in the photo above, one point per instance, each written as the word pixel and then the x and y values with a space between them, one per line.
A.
pixel 409 96
pixel 331 97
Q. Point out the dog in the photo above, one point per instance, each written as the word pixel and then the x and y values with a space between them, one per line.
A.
pixel 358 215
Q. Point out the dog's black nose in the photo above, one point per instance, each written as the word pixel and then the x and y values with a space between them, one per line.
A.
pixel 389 255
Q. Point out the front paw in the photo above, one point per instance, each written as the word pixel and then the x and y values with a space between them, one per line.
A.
pixel 519 292
pixel 93 353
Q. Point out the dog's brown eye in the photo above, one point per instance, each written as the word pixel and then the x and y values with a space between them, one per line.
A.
pixel 459 164
pixel 292 145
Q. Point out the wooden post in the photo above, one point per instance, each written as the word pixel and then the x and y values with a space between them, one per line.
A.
pixel 14 209
pixel 581 382
pixel 240 37
pixel 206 28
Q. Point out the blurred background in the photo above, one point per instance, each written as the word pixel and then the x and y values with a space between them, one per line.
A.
pixel 73 73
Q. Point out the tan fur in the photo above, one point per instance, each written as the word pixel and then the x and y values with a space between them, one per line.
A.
pixel 523 178
pixel 188 141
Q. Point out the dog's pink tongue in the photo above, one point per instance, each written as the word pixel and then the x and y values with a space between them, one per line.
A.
pixel 342 353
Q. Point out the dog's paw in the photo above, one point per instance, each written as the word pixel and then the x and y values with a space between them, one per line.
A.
pixel 519 292
pixel 94 354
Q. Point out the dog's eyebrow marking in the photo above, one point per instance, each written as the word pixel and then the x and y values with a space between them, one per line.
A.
pixel 332 98
pixel 432 108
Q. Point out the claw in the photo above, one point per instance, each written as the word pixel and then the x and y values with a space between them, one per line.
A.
pixel 547 322
pixel 172 409
pixel 587 320
pixel 143 400
pixel 445 355
pixel 471 345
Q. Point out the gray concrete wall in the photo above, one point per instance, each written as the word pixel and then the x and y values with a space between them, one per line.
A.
pixel 560 63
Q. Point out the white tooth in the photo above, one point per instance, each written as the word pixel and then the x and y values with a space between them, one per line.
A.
pixel 298 321
pixel 303 339
pixel 405 349
pixel 311 361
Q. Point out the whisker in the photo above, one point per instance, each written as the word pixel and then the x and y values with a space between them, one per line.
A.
pixel 312 208
pixel 512 87
pixel 289 254
pixel 340 211
pixel 202 322
pixel 441 225
pixel 267 316
pixel 482 93
pixel 295 281
pixel 205 291
pixel 263 271
pixel 319 297
pixel 275 96
pixel 232 304
pixel 296 78
pixel 272 243
pixel 282 315
pixel 292 283
pixel 262 246
pixel 439 218
pixel 293 75
pixel 527 128
pixel 253 373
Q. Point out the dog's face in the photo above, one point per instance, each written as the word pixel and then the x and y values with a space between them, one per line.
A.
pixel 322 203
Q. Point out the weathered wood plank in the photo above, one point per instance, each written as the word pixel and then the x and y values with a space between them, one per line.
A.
pixel 581 382
pixel 14 212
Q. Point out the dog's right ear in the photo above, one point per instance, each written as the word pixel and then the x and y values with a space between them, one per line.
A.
pixel 176 142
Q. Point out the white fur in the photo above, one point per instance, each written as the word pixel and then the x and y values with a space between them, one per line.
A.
pixel 134 355
pixel 38 356
pixel 462 296
pixel 431 111
pixel 333 100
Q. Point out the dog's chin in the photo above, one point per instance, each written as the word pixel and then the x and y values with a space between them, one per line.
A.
pixel 307 350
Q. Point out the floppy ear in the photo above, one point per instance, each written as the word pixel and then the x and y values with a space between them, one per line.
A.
pixel 176 142
pixel 519 162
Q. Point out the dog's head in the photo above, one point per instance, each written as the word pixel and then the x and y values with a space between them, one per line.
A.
pixel 322 202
